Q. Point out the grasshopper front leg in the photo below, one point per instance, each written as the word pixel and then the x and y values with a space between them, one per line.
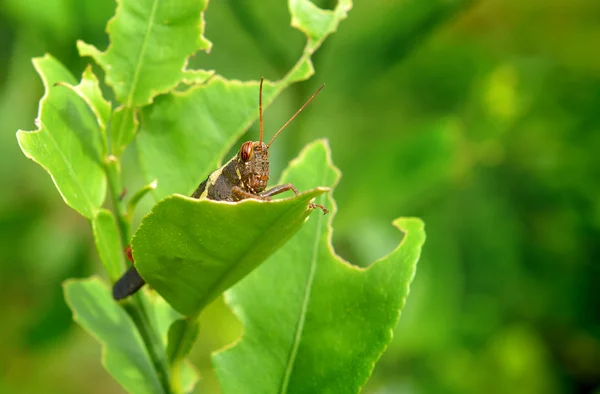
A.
pixel 279 189
pixel 284 188
pixel 266 195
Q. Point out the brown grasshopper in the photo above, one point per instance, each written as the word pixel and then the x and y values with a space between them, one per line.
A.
pixel 244 176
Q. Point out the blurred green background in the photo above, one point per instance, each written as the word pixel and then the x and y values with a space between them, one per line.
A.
pixel 481 117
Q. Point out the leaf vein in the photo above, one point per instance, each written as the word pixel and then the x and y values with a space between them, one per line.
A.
pixel 304 309
pixel 138 67
pixel 70 170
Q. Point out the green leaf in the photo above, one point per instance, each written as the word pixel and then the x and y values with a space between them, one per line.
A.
pixel 317 23
pixel 313 322
pixel 108 243
pixel 190 251
pixel 124 124
pixel 184 376
pixel 89 91
pixel 124 354
pixel 184 136
pixel 182 335
pixel 68 143
pixel 150 42
pixel 137 197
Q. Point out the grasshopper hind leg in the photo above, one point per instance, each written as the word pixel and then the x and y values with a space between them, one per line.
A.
pixel 128 284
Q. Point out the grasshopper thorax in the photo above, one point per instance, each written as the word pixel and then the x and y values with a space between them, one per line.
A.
pixel 252 162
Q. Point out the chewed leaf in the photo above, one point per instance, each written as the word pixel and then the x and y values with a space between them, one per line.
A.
pixel 190 251
pixel 315 22
pixel 326 330
pixel 124 355
pixel 68 143
pixel 151 41
pixel 184 136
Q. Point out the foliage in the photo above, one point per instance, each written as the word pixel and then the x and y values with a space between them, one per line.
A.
pixel 190 251
pixel 331 321
pixel 481 117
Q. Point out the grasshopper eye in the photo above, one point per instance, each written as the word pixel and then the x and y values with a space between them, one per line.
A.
pixel 246 150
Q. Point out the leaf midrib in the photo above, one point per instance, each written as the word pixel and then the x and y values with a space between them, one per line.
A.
pixel 222 277
pixel 70 170
pixel 136 73
pixel 303 310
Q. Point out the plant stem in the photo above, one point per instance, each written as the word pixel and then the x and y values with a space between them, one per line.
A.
pixel 137 306
pixel 113 173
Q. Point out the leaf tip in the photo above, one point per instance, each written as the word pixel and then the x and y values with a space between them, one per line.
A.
pixel 407 224
pixel 86 49
pixel 88 74
pixel 414 233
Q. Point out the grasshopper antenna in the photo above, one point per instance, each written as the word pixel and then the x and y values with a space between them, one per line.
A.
pixel 260 109
pixel 292 118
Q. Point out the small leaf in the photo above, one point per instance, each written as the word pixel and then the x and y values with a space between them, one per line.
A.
pixel 181 339
pixel 68 143
pixel 89 90
pixel 187 376
pixel 108 243
pixel 316 23
pixel 124 354
pixel 123 126
pixel 184 136
pixel 313 322
pixel 182 335
pixel 137 197
pixel 151 41
pixel 190 251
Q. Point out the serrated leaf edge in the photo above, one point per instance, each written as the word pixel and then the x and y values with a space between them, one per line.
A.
pixel 96 54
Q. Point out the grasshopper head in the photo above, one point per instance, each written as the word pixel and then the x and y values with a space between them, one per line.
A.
pixel 253 157
pixel 253 165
